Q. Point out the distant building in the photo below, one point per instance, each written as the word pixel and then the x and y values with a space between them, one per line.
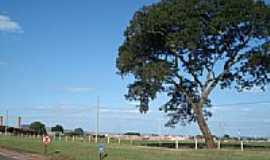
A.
pixel 67 131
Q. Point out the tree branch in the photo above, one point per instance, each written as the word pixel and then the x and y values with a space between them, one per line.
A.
pixel 183 91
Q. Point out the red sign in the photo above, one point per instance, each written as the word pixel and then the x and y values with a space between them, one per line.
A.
pixel 46 140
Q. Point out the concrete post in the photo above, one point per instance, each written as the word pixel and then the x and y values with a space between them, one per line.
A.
pixel 196 144
pixel 89 139
pixel 176 144
pixel 108 140
pixel 219 144
pixel 73 138
pixel 242 146
pixel 119 140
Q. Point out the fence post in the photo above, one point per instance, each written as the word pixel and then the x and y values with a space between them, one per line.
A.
pixel 89 139
pixel 119 140
pixel 219 144
pixel 73 138
pixel 176 144
pixel 242 146
pixel 196 143
pixel 108 140
pixel 96 139
pixel 66 137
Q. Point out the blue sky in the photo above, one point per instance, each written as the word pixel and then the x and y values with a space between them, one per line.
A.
pixel 56 57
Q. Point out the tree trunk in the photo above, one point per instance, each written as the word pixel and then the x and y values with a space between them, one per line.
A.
pixel 204 128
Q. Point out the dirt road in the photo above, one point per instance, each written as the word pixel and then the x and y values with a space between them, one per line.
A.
pixel 13 155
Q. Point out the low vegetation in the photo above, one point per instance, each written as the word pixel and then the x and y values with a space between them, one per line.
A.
pixel 85 151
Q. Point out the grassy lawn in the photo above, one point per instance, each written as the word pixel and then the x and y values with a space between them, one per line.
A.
pixel 86 151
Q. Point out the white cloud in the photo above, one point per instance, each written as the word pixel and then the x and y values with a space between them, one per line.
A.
pixel 79 89
pixel 8 25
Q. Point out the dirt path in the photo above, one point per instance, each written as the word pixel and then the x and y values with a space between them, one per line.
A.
pixel 13 155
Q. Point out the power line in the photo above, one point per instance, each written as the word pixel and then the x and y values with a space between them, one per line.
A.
pixel 83 110
pixel 242 103
pixel 97 131
pixel 6 122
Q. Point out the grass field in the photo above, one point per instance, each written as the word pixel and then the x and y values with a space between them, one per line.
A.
pixel 86 151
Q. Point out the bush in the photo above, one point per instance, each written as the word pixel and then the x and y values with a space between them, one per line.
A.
pixel 132 134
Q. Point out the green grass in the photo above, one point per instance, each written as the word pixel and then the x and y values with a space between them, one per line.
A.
pixel 86 151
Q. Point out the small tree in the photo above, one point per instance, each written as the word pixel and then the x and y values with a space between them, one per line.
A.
pixel 132 134
pixel 38 127
pixel 78 131
pixel 186 48
pixel 58 128
pixel 226 136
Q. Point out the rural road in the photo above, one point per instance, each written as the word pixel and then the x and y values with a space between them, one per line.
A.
pixel 13 155
pixel 4 158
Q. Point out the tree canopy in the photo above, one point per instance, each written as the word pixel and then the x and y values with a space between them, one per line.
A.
pixel 78 131
pixel 186 48
pixel 58 128
pixel 38 127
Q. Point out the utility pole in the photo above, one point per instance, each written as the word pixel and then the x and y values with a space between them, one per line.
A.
pixel 6 122
pixel 97 131
pixel 239 135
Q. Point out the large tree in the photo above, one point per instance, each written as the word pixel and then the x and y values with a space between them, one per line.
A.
pixel 186 48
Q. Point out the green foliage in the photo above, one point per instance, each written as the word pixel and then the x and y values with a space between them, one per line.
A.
pixel 226 136
pixel 38 127
pixel 132 134
pixel 78 131
pixel 58 128
pixel 186 48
